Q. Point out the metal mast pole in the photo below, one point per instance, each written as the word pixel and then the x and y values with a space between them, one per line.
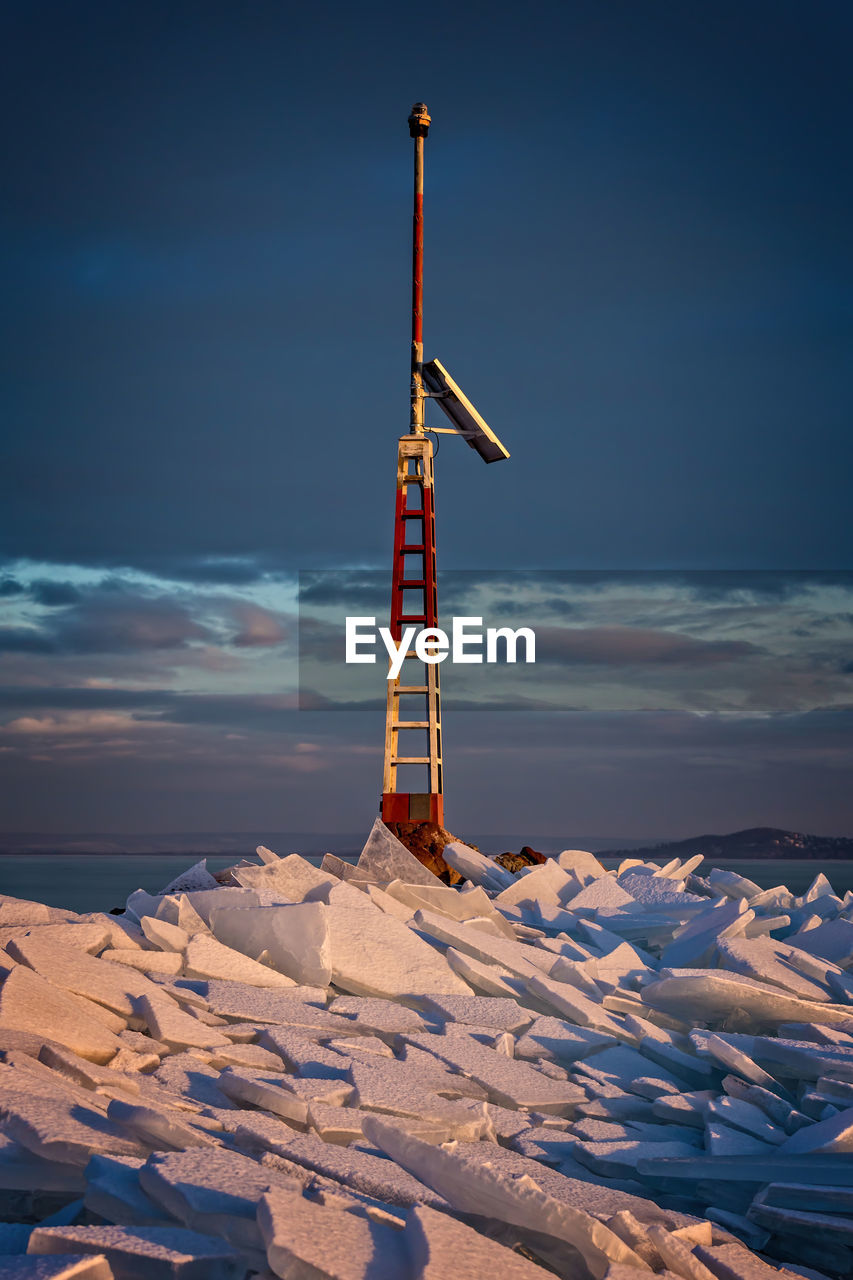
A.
pixel 414 541
pixel 419 122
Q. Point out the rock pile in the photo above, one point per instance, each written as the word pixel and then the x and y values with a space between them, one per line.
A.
pixel 361 1073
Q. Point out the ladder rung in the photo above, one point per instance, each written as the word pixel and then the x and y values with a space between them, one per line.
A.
pixel 410 760
pixel 411 724
pixel 411 688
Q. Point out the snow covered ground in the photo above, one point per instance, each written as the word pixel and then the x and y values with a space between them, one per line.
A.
pixel 359 1073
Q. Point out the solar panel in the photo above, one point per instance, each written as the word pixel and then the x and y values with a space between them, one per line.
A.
pixel 462 413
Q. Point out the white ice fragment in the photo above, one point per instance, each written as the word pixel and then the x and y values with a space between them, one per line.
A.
pixel 68 1267
pixel 385 858
pixel 292 877
pixel 678 1257
pixel 509 1082
pixel 169 1024
pixel 484 1189
pixel 295 938
pixel 372 954
pixel 145 1251
pixel 713 994
pixel 194 878
pixel 546 883
pixel 476 867
pixel 114 986
pixel 832 1135
pixel 441 1247
pixel 168 937
pixel 585 866
pixel 490 979
pixel 833 940
pixel 153 963
pixel 215 1192
pixel 30 1003
pixel 603 892
pixel 572 1004
pixel 696 942
pixel 308 1239
pixel 206 957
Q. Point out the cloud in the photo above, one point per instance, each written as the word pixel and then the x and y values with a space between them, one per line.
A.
pixel 257 627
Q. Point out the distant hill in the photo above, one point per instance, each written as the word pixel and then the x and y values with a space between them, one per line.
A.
pixel 756 842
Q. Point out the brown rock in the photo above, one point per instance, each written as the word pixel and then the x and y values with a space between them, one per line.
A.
pixel 426 841
pixel 517 861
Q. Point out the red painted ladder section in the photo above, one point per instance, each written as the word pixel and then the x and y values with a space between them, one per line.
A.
pixel 418 682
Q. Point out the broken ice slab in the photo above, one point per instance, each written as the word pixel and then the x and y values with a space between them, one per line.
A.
pixel 557 1040
pixel 547 883
pixel 370 1175
pixel 29 1003
pixel 737 1113
pixel 87 937
pixel 622 1158
pixel 789 1059
pixel 169 1024
pixel 194 878
pixel 167 964
pixel 302 1055
pixel 206 958
pixel 292 878
pixel 721 1140
pixel 572 1005
pixel 522 960
pixel 508 1082
pixel 168 937
pixel 113 1193
pixel 23 1170
pixel 306 1238
pixel 713 994
pixel 794 1221
pixel 440 1247
pixel 70 1266
pixel 112 985
pixel 583 865
pixel 213 1192
pixel 732 885
pixel 242 1002
pixel 488 978
pixel 156 1128
pixel 832 940
pixel 459 904
pixel 484 1189
pixel 294 937
pixel 481 1011
pixel 739 1062
pixel 51 1122
pixel 373 954
pixel 769 961
pixel 813 1169
pixel 380 1017
pixel 146 1251
pixel 385 858
pixel 695 943
pixel 20 911
pixel 835 1134
pixel 477 868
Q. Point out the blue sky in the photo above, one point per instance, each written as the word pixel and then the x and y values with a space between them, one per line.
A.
pixel 638 266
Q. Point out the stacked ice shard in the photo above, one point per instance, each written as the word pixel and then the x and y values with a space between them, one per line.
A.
pixel 357 1072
